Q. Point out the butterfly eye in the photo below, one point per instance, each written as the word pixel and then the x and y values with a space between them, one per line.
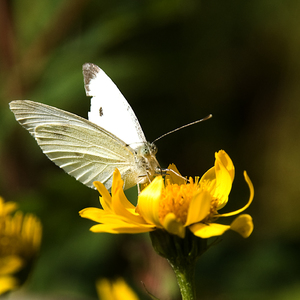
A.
pixel 145 151
pixel 153 149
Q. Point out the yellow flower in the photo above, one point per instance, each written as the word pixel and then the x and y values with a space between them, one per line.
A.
pixel 8 266
pixel 6 207
pixel 20 238
pixel 173 204
pixel 117 290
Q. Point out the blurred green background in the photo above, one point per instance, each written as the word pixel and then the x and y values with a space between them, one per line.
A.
pixel 175 62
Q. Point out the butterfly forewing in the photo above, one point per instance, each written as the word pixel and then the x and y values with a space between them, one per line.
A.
pixel 109 108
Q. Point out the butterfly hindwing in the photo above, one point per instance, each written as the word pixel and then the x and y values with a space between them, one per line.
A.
pixel 78 146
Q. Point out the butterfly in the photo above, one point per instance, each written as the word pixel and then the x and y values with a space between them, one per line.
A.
pixel 90 150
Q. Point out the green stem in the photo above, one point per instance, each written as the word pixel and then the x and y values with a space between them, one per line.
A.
pixel 185 275
pixel 182 255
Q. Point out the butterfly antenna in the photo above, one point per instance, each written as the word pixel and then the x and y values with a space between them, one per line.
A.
pixel 195 122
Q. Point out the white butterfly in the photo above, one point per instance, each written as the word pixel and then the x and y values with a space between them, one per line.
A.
pixel 90 150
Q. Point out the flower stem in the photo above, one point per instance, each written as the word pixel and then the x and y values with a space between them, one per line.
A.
pixel 185 275
pixel 182 255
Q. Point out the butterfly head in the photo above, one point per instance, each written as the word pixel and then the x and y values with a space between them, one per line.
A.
pixel 147 150
pixel 146 161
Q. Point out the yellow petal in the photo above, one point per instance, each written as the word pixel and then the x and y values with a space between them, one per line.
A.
pixel 117 203
pixel 172 177
pixel 123 291
pixel 7 207
pixel 105 200
pixel 121 204
pixel 101 216
pixel 226 161
pixel 123 207
pixel 101 189
pixel 148 201
pixel 32 230
pixel 117 290
pixel 243 225
pixel 209 176
pixel 251 188
pixel 7 283
pixel 104 290
pixel 205 231
pixel 199 207
pixel 118 214
pixel 224 178
pixel 117 182
pixel 92 213
pixel 10 264
pixel 174 226
pixel 122 227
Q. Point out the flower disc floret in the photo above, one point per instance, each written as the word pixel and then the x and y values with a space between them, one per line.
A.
pixel 176 199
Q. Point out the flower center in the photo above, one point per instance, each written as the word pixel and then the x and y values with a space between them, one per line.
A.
pixel 176 199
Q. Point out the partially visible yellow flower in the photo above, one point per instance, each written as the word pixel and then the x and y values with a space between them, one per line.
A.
pixel 173 204
pixel 115 290
pixel 6 207
pixel 9 265
pixel 20 238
